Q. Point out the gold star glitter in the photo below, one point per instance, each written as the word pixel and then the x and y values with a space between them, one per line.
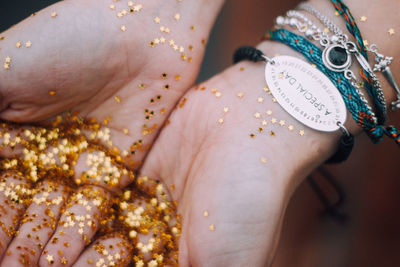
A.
pixel 119 15
pixel 314 66
pixel 337 14
pixel 252 135
pixel 112 7
pixel 301 132
pixel 391 31
pixel 264 123
pixel 226 109
pixel 282 122
pixel 274 100
pixel 263 160
pixel 137 8
pixel 177 16
pixel 54 14
pixel 64 261
pixel 260 99
pixel 211 227
pixel 162 40
pixel 218 94
pixel 269 112
pixel 50 259
pixel 177 77
pixel 291 127
pixel 123 28
pixel 366 43
pixel 205 213
pixel 363 19
pixel 272 133
pixel 130 4
pixel 326 30
pixel 273 120
pixel 257 115
pixel 2 38
pixel 118 99
pixel 6 66
pixel 240 95
pixel 18 45
pixel 157 20
pixel 28 44
pixel 192 28
pixel 8 60
pixel 241 69
pixel 281 75
pixel 221 121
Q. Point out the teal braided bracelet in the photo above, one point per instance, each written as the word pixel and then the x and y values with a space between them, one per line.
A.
pixel 354 104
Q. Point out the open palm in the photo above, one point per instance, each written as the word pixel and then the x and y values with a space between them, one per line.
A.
pixel 125 64
pixel 226 153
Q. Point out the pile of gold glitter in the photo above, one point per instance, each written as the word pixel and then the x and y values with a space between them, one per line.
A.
pixel 140 211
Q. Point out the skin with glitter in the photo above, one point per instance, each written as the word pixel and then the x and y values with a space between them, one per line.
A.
pixel 106 145
pixel 213 158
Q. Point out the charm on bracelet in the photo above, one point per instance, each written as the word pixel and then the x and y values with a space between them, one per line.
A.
pixel 305 93
pixel 382 65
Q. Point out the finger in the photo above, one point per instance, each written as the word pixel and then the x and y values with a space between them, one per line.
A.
pixel 37 224
pixel 151 224
pixel 85 210
pixel 113 250
pixel 14 196
pixel 100 169
pixel 11 140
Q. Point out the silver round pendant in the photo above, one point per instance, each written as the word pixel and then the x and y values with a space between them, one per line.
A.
pixel 336 58
pixel 305 93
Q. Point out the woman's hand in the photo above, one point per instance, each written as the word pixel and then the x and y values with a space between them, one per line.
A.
pixel 125 64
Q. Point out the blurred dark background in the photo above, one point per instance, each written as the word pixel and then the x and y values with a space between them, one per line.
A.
pixel 370 178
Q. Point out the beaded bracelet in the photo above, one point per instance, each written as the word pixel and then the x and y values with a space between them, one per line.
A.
pixel 353 102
